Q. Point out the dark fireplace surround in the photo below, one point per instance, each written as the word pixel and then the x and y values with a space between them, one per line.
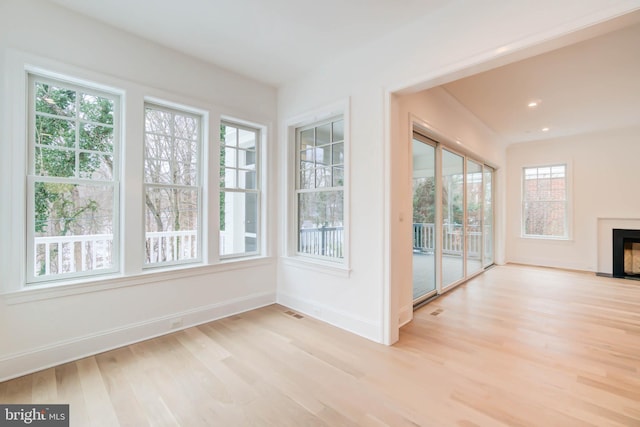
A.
pixel 620 238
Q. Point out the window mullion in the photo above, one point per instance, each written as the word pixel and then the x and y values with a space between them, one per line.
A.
pixel 77 142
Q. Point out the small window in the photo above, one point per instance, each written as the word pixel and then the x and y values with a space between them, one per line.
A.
pixel 172 181
pixel 72 180
pixel 544 202
pixel 239 190
pixel 320 167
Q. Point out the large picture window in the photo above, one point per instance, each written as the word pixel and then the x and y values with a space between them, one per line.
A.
pixel 173 186
pixel 320 189
pixel 239 190
pixel 72 180
pixel 544 201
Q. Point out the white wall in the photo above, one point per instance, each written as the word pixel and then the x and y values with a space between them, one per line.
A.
pixel 39 328
pixel 447 121
pixel 455 40
pixel 603 169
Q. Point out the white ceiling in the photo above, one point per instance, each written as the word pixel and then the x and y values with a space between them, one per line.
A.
pixel 271 41
pixel 585 87
pixel 590 86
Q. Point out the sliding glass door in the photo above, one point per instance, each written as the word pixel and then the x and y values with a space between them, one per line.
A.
pixel 452 217
pixel 424 218
pixel 474 202
pixel 487 220
pixel 453 232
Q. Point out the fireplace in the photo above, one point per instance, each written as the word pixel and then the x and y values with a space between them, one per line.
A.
pixel 626 253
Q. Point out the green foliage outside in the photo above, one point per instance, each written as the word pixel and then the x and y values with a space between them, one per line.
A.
pixel 59 206
pixel 424 201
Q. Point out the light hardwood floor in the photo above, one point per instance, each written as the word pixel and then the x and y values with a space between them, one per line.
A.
pixel 516 346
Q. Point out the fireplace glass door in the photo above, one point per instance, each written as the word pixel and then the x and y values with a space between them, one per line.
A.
pixel 631 258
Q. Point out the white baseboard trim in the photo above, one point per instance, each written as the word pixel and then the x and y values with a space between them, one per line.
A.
pixel 540 262
pixel 360 326
pixel 406 315
pixel 19 364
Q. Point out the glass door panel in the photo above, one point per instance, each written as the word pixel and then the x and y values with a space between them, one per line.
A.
pixel 424 213
pixel 452 217
pixel 460 198
pixel 487 231
pixel 474 204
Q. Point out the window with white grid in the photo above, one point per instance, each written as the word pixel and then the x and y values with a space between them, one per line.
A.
pixel 173 186
pixel 320 166
pixel 239 190
pixel 544 201
pixel 73 175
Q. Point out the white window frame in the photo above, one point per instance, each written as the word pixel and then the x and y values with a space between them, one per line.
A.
pixel 31 78
pixel 338 267
pixel 190 112
pixel 567 202
pixel 259 133
pixel 15 287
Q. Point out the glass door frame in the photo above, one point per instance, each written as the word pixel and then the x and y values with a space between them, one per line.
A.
pixel 416 136
pixel 422 133
pixel 463 237
pixel 492 173
pixel 469 181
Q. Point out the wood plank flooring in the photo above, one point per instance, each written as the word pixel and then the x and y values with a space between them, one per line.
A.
pixel 516 346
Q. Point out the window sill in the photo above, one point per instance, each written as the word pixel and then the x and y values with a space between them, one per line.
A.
pixel 319 266
pixel 226 264
pixel 115 281
pixel 230 259
pixel 551 238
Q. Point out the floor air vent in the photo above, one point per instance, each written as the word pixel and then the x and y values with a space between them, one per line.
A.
pixel 296 315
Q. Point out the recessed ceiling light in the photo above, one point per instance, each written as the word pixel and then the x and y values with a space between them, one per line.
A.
pixel 534 103
pixel 545 129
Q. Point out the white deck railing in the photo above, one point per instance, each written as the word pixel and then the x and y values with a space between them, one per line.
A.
pixel 323 241
pixel 452 239
pixel 70 254
pixel 167 246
